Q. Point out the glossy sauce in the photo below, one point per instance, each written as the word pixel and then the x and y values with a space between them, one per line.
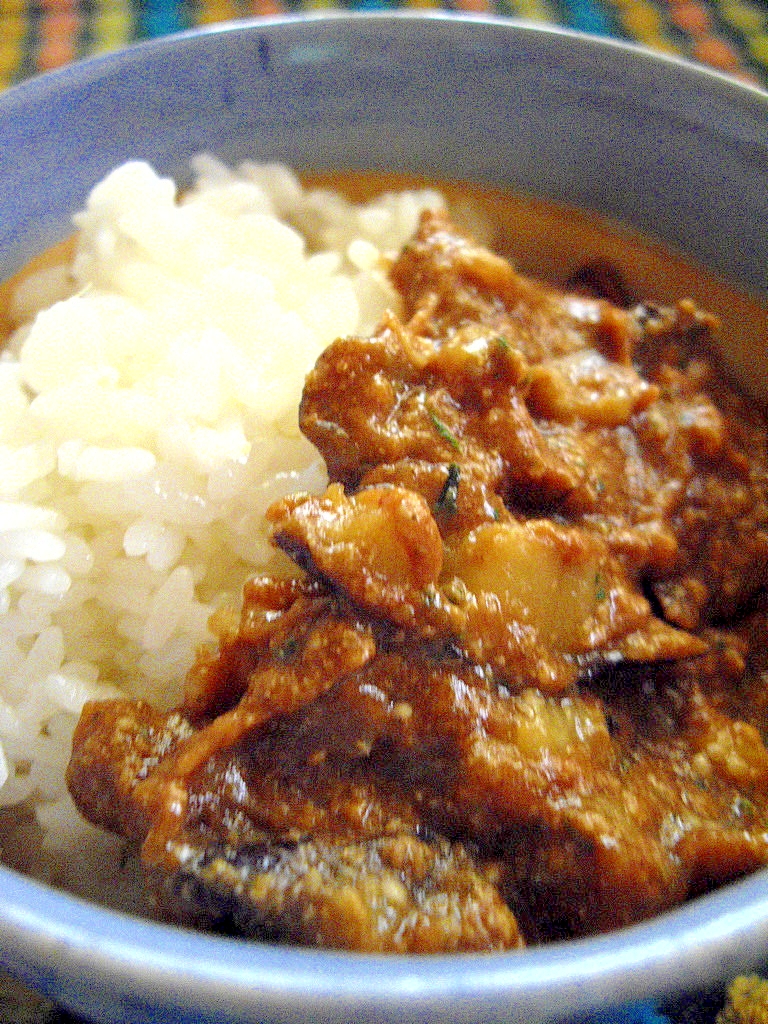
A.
pixel 551 242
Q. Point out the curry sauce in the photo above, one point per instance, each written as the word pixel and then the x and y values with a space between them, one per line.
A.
pixel 512 689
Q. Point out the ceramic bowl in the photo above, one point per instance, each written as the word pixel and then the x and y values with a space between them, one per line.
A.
pixel 672 149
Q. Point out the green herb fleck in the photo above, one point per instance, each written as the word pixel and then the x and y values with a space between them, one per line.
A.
pixel 455 590
pixel 443 431
pixel 287 650
pixel 502 343
pixel 743 807
pixel 600 591
pixel 449 496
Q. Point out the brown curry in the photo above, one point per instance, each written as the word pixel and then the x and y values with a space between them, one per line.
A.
pixel 513 691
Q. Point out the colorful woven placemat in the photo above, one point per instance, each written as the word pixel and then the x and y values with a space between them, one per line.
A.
pixel 38 35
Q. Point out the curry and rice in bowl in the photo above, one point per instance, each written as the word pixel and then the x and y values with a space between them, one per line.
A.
pixel 375 594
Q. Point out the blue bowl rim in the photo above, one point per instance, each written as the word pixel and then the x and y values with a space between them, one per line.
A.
pixel 47 935
pixel 134 51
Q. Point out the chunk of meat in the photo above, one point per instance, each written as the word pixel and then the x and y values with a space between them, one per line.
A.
pixel 391 895
pixel 117 745
pixel 447 280
pixel 381 546
pixel 586 387
pixel 576 812
pixel 380 400
pixel 533 600
pixel 201 804
pixel 556 405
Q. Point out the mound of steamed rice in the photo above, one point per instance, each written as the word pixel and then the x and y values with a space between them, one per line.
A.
pixel 148 416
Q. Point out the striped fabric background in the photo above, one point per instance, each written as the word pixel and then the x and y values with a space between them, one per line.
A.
pixel 38 35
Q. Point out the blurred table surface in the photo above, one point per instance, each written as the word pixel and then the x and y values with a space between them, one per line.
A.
pixel 41 35
pixel 38 35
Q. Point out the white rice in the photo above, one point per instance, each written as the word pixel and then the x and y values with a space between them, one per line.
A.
pixel 148 416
